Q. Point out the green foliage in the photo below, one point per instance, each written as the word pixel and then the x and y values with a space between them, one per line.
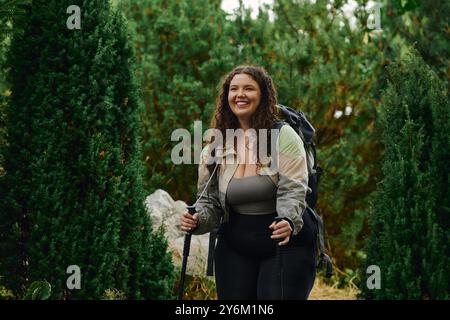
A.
pixel 3 99
pixel 182 50
pixel 410 217
pixel 6 294
pixel 113 294
pixel 422 24
pixel 8 9
pixel 38 290
pixel 73 190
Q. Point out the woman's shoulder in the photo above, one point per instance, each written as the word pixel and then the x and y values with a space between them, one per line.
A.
pixel 288 133
pixel 289 139
pixel 286 129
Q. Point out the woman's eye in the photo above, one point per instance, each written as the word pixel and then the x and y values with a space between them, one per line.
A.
pixel 246 89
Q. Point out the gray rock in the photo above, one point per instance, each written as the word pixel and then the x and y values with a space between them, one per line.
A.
pixel 163 210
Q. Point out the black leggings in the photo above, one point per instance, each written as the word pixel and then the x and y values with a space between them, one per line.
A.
pixel 247 265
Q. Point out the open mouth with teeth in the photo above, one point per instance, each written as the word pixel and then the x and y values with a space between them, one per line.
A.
pixel 242 104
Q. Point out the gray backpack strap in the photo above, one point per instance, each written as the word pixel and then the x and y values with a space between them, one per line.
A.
pixel 323 257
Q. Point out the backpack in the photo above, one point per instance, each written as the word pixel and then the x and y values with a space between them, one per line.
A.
pixel 298 121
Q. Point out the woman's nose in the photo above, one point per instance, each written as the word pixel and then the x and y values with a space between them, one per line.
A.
pixel 240 93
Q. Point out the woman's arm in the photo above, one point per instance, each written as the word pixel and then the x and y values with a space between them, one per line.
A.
pixel 293 177
pixel 208 206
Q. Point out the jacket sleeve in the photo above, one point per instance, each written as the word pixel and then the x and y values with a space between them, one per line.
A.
pixel 208 206
pixel 292 177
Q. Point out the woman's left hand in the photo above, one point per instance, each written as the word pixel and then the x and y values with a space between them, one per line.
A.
pixel 281 230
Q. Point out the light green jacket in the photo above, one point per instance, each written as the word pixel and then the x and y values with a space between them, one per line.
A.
pixel 291 178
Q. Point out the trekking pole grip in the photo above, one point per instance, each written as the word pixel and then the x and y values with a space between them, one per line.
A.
pixel 191 210
pixel 187 244
pixel 278 219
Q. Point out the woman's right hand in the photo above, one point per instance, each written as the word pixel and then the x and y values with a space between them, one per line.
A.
pixel 188 222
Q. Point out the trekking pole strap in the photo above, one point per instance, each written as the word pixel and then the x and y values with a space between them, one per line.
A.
pixel 207 184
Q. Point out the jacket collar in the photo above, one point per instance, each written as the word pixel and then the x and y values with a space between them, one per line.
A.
pixel 225 151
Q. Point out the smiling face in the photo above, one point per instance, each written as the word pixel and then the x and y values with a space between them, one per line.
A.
pixel 244 96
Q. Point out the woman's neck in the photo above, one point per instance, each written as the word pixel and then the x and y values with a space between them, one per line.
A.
pixel 245 124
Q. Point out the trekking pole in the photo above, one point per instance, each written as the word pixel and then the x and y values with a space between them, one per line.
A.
pixel 280 261
pixel 187 240
pixel 186 249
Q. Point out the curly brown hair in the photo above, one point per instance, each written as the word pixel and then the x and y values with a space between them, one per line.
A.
pixel 265 115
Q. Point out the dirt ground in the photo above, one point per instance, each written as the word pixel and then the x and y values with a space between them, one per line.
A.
pixel 321 291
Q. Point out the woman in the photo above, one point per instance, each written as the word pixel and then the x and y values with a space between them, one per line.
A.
pixel 247 195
